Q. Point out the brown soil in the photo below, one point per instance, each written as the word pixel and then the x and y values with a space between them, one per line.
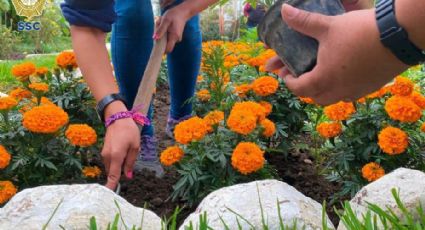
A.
pixel 145 188
pixel 297 170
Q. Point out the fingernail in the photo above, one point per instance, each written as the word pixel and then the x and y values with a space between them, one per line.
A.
pixel 289 11
pixel 130 174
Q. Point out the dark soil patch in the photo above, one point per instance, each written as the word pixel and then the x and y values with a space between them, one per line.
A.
pixel 145 188
pixel 298 170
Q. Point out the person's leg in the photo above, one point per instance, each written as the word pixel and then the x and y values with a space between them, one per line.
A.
pixel 183 68
pixel 131 45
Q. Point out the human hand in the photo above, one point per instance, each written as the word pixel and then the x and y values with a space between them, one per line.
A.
pixel 351 60
pixel 173 23
pixel 121 147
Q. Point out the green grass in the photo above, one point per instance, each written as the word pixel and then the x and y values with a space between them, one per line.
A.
pixel 57 45
pixel 7 81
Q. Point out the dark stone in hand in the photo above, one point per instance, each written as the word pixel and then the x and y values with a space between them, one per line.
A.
pixel 297 51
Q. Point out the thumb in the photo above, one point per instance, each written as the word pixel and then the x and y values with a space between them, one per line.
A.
pixel 310 24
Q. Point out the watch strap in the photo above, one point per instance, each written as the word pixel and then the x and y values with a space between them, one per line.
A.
pixel 108 99
pixel 395 37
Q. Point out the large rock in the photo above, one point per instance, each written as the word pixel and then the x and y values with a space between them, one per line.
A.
pixel 410 184
pixel 31 209
pixel 244 199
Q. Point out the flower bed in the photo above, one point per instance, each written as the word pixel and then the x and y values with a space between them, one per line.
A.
pixel 246 126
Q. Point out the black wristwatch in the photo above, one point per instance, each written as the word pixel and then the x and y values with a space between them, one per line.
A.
pixel 394 37
pixel 102 104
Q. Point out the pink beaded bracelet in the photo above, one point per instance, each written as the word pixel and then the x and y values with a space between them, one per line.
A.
pixel 138 117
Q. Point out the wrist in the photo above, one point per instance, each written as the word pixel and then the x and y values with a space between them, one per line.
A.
pixel 186 10
pixel 408 14
pixel 115 107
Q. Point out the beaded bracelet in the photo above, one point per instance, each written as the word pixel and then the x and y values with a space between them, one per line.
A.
pixel 138 117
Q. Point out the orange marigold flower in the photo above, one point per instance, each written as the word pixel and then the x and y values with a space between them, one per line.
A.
pixel 214 117
pixel 242 90
pixel 255 61
pixel 91 172
pixel 402 86
pixel 40 87
pixel 361 100
pixel 81 135
pixel 230 61
pixel 379 93
pixel 7 191
pixel 193 129
pixel 254 107
pixel 203 95
pixel 393 140
pixel 261 59
pixel 66 60
pixel 372 171
pixel 329 129
pixel 265 86
pixel 23 71
pixel 262 68
pixel 269 127
pixel 200 78
pixel 402 109
pixel 7 103
pixel 4 157
pixel 41 71
pixel 340 111
pixel 423 127
pixel 307 100
pixel 268 108
pixel 45 119
pixel 247 158
pixel 419 99
pixel 242 121
pixel 20 93
pixel 171 155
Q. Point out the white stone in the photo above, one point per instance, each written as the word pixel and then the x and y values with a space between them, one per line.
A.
pixel 244 199
pixel 410 184
pixel 31 209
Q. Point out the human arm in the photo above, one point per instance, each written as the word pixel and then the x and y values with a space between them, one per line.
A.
pixel 174 20
pixel 352 61
pixel 88 33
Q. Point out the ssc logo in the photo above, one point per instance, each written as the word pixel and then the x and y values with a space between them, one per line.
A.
pixel 29 8
pixel 29 26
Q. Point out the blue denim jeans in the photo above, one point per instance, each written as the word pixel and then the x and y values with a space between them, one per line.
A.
pixel 131 45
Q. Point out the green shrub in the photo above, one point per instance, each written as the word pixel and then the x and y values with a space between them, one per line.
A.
pixel 351 152
pixel 46 156
pixel 8 42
